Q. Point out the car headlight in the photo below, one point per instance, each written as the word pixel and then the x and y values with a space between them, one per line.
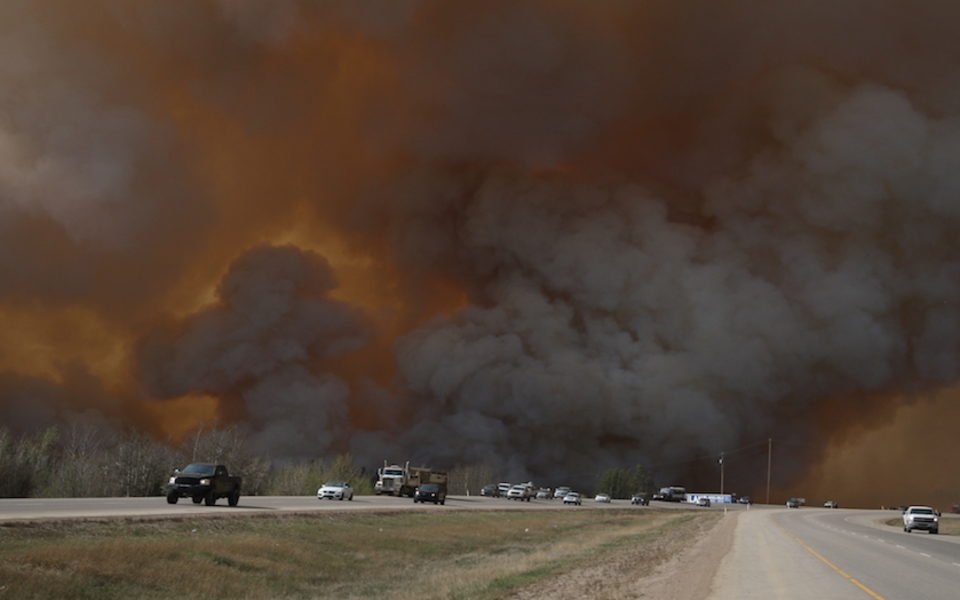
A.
pixel 173 480
pixel 204 482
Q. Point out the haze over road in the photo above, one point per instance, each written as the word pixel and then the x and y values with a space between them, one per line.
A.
pixel 835 555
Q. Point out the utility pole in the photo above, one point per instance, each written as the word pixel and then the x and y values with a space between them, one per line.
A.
pixel 721 473
pixel 769 458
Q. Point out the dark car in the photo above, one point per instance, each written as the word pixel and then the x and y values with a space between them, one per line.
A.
pixel 640 499
pixel 793 503
pixel 204 482
pixel 490 490
pixel 745 500
pixel 430 492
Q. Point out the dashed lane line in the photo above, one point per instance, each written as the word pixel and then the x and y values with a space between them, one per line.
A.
pixel 840 571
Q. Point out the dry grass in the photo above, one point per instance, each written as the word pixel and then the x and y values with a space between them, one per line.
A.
pixel 402 556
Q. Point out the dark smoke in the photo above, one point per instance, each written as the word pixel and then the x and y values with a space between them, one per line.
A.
pixel 264 343
pixel 570 237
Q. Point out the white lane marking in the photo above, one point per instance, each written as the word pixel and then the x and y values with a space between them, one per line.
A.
pixel 901 547
pixel 956 564
pixel 924 554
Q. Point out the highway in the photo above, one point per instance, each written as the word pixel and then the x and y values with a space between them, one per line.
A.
pixel 835 555
pixel 25 509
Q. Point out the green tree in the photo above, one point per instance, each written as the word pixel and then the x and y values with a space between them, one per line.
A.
pixel 623 483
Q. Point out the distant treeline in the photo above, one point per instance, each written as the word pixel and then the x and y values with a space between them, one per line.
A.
pixel 87 461
pixel 78 461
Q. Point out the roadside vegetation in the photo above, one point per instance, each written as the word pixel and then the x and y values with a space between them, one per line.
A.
pixel 84 460
pixel 463 554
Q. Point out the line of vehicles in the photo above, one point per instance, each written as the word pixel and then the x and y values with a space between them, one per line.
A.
pixel 527 491
pixel 207 483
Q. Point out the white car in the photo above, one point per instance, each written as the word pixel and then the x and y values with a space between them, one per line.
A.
pixel 921 517
pixel 601 498
pixel 335 490
pixel 561 491
pixel 572 498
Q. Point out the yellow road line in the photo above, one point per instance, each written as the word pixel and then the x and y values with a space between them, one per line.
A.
pixel 843 573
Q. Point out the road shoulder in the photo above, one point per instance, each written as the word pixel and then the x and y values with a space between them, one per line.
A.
pixel 690 575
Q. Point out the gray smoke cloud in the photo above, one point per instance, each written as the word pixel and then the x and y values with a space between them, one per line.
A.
pixel 605 331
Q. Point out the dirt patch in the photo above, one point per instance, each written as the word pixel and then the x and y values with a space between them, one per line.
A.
pixel 663 565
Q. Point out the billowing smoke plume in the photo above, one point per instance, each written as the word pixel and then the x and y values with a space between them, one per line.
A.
pixel 569 237
pixel 272 329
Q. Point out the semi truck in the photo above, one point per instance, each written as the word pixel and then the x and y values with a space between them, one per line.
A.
pixel 674 493
pixel 403 480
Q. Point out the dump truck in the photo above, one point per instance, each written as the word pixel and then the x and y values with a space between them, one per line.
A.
pixel 674 493
pixel 403 480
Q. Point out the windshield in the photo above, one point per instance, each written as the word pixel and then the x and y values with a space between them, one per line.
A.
pixel 922 511
pixel 199 469
pixel 333 484
pixel 429 487
pixel 393 471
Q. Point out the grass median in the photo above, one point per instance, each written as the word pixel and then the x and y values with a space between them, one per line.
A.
pixel 448 554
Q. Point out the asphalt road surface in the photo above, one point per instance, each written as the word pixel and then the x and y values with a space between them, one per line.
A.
pixel 20 509
pixel 835 555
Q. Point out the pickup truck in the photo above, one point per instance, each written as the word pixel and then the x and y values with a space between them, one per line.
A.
pixel 921 517
pixel 204 482
pixel 521 492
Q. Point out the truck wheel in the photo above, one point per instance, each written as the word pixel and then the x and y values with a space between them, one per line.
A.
pixel 197 499
pixel 350 498
pixel 907 529
pixel 442 502
pixel 234 498
pixel 172 498
pixel 341 497
pixel 210 499
pixel 934 531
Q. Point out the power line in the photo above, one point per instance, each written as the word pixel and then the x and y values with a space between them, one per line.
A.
pixel 709 456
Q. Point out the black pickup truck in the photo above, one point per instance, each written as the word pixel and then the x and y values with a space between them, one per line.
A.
pixel 204 483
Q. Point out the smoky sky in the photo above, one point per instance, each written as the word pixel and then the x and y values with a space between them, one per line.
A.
pixel 545 236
